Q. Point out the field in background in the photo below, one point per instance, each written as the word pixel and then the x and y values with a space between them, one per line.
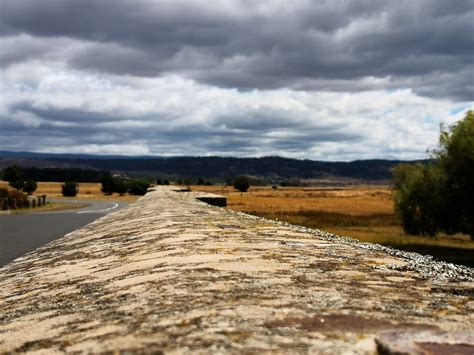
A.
pixel 87 191
pixel 362 212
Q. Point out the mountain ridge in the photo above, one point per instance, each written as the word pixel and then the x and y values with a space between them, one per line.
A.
pixel 211 167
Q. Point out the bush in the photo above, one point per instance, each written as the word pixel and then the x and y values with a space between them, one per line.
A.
pixel 438 197
pixel 30 186
pixel 10 195
pixel 241 183
pixel 107 184
pixel 138 187
pixel 17 195
pixel 120 186
pixel 419 200
pixel 70 189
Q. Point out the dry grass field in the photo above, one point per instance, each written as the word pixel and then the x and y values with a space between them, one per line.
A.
pixel 87 191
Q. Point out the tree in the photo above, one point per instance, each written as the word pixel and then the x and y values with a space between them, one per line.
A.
pixel 70 189
pixel 30 186
pixel 14 176
pixel 438 197
pixel 17 184
pixel 107 184
pixel 120 186
pixel 138 187
pixel 12 173
pixel 419 200
pixel 242 183
pixel 456 158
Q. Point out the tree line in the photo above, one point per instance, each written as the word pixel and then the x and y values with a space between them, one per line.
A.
pixel 57 174
pixel 274 169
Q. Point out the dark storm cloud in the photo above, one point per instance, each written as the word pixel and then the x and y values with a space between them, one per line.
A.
pixel 250 45
pixel 87 127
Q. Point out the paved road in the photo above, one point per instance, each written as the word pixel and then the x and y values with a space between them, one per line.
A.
pixel 21 233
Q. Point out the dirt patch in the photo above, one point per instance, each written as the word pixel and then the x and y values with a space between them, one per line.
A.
pixel 340 322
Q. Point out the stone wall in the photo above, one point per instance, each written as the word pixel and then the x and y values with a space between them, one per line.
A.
pixel 173 274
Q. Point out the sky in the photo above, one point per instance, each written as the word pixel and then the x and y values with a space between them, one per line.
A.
pixel 323 80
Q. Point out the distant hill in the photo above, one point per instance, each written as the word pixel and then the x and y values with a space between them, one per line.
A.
pixel 273 168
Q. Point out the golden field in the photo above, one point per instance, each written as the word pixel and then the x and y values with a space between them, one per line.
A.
pixel 87 191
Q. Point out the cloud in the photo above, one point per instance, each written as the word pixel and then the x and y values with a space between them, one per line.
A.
pixel 272 45
pixel 332 80
pixel 172 115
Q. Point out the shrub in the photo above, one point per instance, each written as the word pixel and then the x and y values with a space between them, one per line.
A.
pixel 30 186
pixel 17 195
pixel 138 187
pixel 241 183
pixel 107 184
pixel 10 195
pixel 419 200
pixel 70 189
pixel 120 186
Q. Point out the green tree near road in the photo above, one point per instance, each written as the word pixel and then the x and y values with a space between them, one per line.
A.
pixel 30 186
pixel 438 197
pixel 14 176
pixel 108 184
pixel 120 186
pixel 70 189
pixel 138 187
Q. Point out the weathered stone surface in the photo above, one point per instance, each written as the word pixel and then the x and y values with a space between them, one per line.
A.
pixel 173 274
pixel 427 342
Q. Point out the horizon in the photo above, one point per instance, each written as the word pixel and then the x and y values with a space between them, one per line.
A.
pixel 320 81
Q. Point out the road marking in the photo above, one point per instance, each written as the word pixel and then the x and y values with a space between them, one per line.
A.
pixel 102 210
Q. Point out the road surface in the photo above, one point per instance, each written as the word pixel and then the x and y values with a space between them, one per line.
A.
pixel 21 233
